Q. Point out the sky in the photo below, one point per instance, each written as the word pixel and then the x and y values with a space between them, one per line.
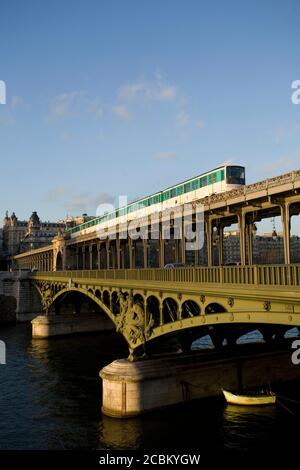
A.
pixel 107 98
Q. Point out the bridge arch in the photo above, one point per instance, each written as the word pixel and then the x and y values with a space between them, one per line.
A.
pixel 215 308
pixel 170 310
pixel 86 294
pixel 190 308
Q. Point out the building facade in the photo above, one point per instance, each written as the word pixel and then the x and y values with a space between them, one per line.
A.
pixel 19 236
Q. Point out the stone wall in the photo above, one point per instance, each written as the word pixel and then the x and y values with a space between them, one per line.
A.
pixel 20 301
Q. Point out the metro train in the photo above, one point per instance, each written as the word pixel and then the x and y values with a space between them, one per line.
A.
pixel 218 180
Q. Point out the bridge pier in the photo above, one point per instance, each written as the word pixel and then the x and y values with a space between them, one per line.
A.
pixel 133 388
pixel 45 326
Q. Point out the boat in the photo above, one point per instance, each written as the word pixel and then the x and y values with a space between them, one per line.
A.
pixel 250 398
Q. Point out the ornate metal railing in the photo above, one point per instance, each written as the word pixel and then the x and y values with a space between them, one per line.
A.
pixel 266 275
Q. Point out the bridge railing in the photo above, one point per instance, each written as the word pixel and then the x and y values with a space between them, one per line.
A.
pixel 275 275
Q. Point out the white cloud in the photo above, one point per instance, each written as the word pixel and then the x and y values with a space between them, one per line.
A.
pixel 56 193
pixel 285 163
pixel 16 101
pixel 7 121
pixel 200 124
pixel 151 90
pixel 121 112
pixel 66 136
pixel 182 118
pixel 77 203
pixel 165 156
pixel 75 103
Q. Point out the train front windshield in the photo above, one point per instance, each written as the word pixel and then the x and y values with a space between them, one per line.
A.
pixel 235 175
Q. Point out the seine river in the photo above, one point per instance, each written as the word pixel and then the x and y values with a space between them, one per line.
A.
pixel 51 399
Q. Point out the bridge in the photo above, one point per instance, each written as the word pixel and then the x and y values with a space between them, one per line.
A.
pixel 244 206
pixel 88 284
pixel 145 305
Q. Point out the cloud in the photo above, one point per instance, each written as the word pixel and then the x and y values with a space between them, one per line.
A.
pixel 87 202
pixel 66 136
pixel 182 118
pixel 75 103
pixel 77 203
pixel 121 112
pixel 55 194
pixel 200 124
pixel 165 156
pixel 7 121
pixel 150 90
pixel 284 163
pixel 16 101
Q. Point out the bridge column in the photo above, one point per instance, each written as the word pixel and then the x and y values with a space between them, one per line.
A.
pixel 176 250
pixel 249 230
pixel 242 225
pixel 98 255
pixel 183 257
pixel 83 257
pixel 90 256
pixel 161 247
pixel 220 243
pixel 286 225
pixel 118 251
pixel 145 253
pixel 107 248
pixel 209 245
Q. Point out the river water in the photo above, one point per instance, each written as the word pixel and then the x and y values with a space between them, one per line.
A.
pixel 51 399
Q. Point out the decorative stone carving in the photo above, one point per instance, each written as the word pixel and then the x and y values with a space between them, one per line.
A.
pixel 267 305
pixel 202 299
pixel 131 320
pixel 47 295
pixel 230 301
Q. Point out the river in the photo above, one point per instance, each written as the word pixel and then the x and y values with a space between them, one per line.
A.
pixel 51 399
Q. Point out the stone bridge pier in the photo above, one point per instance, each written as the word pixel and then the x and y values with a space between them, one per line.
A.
pixel 20 297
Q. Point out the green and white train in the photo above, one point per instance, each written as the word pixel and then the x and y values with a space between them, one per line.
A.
pixel 219 180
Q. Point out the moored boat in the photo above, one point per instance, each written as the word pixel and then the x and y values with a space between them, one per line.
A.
pixel 250 399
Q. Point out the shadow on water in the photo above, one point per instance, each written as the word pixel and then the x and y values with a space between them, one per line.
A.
pixel 51 399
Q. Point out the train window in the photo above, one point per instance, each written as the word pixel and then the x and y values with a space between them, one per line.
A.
pixel 213 178
pixel 187 188
pixel 203 181
pixel 173 192
pixel 235 175
pixel 221 173
pixel 194 185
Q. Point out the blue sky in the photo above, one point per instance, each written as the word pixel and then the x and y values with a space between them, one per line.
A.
pixel 128 97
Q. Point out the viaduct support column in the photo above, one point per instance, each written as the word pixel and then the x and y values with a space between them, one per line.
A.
pixel 249 230
pixel 130 248
pixel 145 253
pixel 183 254
pixel 286 225
pixel 242 225
pixel 107 244
pixel 90 256
pixel 220 243
pixel 83 257
pixel 161 247
pixel 208 230
pixel 98 255
pixel 118 249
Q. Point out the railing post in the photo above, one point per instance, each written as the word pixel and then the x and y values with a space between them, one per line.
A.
pixel 255 275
